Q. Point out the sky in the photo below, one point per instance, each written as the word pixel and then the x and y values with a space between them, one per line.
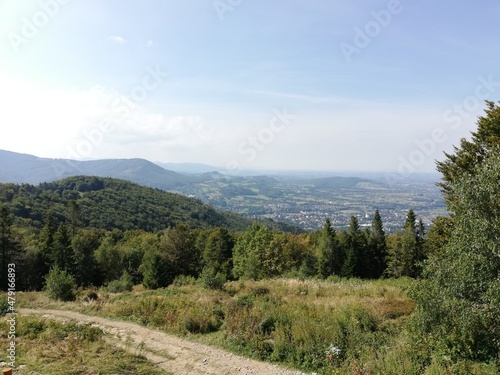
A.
pixel 247 84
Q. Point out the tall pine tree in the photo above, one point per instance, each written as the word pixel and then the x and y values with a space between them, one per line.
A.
pixel 377 248
pixel 328 252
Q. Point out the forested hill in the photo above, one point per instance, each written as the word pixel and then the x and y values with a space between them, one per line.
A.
pixel 108 203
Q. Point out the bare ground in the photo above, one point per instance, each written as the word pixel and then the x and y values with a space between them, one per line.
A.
pixel 174 354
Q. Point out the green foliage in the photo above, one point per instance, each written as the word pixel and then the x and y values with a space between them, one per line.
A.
pixel 376 256
pixel 458 304
pixel 84 245
pixel 328 252
pixel 61 251
pixel 156 270
pixel 4 305
pixel 9 245
pixel 109 259
pixel 249 253
pixel 471 153
pixel 123 284
pixel 50 347
pixel 406 249
pixel 218 251
pixel 354 250
pixel 183 280
pixel 439 235
pixel 178 248
pixel 212 279
pixel 60 285
pixel 105 203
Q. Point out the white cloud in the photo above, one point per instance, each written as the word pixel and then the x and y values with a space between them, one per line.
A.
pixel 116 39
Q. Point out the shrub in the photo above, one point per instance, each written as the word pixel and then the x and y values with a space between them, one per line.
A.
pixel 123 284
pixel 4 306
pixel 60 285
pixel 200 319
pixel 183 280
pixel 211 279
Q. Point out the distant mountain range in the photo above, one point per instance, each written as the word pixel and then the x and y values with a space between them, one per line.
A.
pixel 22 168
pixel 189 168
pixel 301 199
pixel 179 177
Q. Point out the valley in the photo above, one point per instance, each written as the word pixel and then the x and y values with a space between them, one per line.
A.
pixel 307 202
pixel 303 200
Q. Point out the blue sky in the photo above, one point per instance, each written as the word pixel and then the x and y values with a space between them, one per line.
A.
pixel 299 84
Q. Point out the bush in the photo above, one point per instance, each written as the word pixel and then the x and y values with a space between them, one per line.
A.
pixel 60 285
pixel 211 279
pixel 201 319
pixel 183 280
pixel 123 284
pixel 4 306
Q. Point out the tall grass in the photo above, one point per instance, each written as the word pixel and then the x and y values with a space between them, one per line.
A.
pixel 338 326
pixel 48 347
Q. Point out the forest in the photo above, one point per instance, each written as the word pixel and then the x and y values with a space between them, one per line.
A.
pixel 64 235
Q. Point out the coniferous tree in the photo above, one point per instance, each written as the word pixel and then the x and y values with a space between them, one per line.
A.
pixel 218 251
pixel 48 232
pixel 62 252
pixel 405 251
pixel 249 252
pixel 471 153
pixel 74 217
pixel 43 258
pixel 439 235
pixel 352 265
pixel 85 271
pixel 420 254
pixel 328 250
pixel 109 259
pixel 377 247
pixel 178 246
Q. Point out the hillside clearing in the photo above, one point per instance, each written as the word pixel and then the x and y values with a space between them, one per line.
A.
pixel 168 352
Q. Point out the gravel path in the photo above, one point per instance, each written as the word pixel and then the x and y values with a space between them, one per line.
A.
pixel 171 353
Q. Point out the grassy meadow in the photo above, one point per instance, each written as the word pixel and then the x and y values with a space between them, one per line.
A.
pixel 337 326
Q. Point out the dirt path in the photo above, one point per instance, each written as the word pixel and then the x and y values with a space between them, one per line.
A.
pixel 171 353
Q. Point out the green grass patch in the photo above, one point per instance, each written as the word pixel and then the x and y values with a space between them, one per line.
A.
pixel 49 347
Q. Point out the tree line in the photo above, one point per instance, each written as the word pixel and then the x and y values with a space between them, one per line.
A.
pixel 96 257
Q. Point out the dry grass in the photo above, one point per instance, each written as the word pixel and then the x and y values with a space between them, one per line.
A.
pixel 285 320
pixel 47 347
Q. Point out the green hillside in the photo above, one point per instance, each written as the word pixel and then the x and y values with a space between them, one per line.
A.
pixel 108 203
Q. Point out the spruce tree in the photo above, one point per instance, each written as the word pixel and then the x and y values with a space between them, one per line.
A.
pixel 218 252
pixel 328 252
pixel 352 265
pixel 61 251
pixel 377 247
pixel 405 251
pixel 471 153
